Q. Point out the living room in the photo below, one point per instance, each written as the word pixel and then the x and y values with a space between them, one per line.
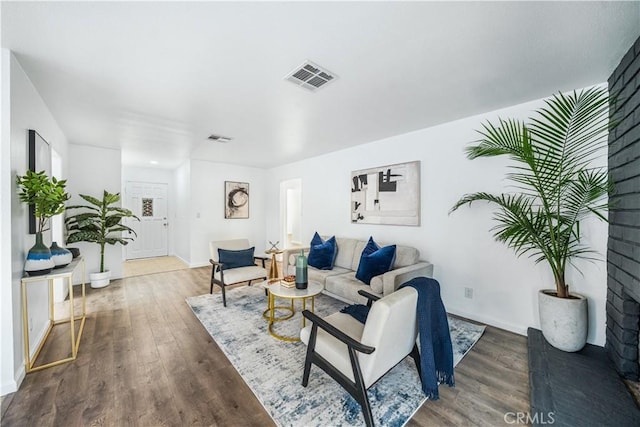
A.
pixel 459 245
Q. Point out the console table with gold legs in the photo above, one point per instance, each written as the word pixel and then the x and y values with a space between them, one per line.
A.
pixel 62 273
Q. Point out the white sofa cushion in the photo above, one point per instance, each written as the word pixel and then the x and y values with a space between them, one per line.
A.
pixel 405 256
pixel 347 287
pixel 346 248
pixel 319 275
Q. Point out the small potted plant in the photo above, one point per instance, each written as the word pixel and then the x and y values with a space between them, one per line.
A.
pixel 47 195
pixel 556 186
pixel 100 222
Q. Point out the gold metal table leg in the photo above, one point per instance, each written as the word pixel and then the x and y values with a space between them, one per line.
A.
pixel 273 270
pixel 75 339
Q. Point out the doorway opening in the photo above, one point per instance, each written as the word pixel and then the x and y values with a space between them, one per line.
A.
pixel 291 213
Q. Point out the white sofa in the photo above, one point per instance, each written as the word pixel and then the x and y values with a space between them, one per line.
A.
pixel 341 282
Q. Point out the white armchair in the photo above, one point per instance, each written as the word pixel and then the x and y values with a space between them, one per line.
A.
pixel 356 355
pixel 224 277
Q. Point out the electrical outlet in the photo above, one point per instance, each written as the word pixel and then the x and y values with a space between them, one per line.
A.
pixel 468 293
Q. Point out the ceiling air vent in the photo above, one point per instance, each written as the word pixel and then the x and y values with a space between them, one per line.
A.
pixel 310 76
pixel 218 138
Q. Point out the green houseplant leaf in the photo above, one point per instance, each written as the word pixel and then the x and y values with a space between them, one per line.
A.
pixel 99 223
pixel 48 195
pixel 556 186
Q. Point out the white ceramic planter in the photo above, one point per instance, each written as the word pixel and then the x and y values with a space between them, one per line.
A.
pixel 564 321
pixel 100 280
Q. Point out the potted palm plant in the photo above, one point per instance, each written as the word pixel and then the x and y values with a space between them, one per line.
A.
pixel 556 186
pixel 100 222
pixel 47 195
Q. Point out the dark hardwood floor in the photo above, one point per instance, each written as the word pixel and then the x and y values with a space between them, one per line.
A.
pixel 145 360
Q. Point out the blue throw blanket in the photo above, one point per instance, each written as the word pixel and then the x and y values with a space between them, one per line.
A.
pixel 436 350
pixel 357 311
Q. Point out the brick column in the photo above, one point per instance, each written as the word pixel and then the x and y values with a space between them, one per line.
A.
pixel 623 254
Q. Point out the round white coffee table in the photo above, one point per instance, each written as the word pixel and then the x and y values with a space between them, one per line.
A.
pixel 275 290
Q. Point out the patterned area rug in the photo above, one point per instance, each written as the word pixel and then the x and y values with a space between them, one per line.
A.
pixel 273 368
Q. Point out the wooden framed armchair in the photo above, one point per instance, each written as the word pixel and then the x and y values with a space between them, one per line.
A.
pixel 229 274
pixel 357 355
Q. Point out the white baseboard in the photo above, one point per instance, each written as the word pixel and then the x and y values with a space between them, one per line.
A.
pixel 199 264
pixel 488 320
pixel 180 258
pixel 14 385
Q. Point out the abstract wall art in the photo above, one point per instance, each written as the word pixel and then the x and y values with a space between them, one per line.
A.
pixel 236 200
pixel 386 195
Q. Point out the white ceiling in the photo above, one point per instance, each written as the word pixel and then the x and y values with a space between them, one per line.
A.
pixel 156 78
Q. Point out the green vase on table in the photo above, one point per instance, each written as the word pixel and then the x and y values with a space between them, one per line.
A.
pixel 301 271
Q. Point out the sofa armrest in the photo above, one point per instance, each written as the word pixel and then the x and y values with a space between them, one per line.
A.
pixel 391 280
pixel 286 254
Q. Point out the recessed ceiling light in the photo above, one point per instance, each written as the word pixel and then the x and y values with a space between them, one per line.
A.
pixel 153 162
pixel 219 138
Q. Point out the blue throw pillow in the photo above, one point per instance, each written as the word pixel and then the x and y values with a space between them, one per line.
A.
pixel 234 259
pixel 322 255
pixel 375 261
pixel 371 247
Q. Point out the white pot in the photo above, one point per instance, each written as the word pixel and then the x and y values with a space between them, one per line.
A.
pixel 100 280
pixel 564 321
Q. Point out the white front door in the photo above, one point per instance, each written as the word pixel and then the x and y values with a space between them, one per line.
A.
pixel 148 201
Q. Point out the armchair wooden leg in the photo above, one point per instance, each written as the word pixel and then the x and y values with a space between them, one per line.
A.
pixel 360 390
pixel 310 349
pixel 366 411
pixel 224 297
pixel 415 354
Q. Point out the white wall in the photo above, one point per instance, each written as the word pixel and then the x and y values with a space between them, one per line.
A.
pixel 459 245
pixel 182 214
pixel 7 372
pixel 155 175
pixel 91 171
pixel 27 111
pixel 207 208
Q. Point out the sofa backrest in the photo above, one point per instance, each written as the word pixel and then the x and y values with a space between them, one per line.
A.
pixel 349 251
pixel 405 255
pixel 346 247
